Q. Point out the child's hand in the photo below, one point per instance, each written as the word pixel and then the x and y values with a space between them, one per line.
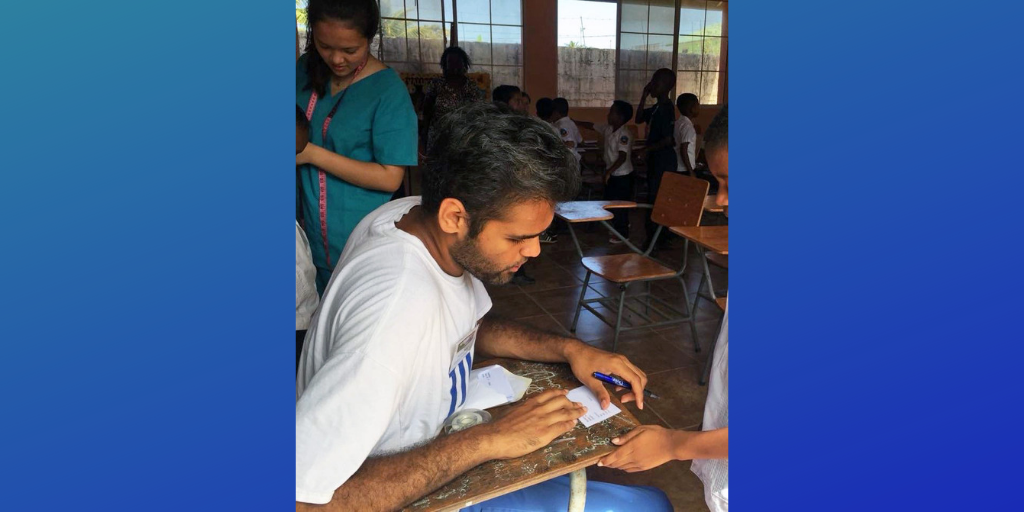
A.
pixel 643 448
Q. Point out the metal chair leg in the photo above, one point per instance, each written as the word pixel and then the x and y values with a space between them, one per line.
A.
pixel 690 314
pixel 579 303
pixel 577 490
pixel 618 318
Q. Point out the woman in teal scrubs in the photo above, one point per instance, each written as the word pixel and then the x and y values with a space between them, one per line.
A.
pixel 362 130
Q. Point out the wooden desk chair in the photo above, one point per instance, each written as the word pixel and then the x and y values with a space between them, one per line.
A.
pixel 680 202
pixel 718 260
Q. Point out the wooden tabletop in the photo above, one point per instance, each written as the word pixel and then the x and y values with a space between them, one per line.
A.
pixel 713 238
pixel 589 211
pixel 496 478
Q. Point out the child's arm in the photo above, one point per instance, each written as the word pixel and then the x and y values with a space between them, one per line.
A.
pixel 615 166
pixel 585 124
pixel 685 156
pixel 640 109
pixel 649 446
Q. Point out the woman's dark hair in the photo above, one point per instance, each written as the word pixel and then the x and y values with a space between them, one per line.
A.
pixel 491 158
pixel 456 51
pixel 362 15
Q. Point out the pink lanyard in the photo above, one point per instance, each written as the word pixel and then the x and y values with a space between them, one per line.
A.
pixel 322 176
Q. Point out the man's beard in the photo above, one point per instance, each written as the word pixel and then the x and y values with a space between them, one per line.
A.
pixel 468 256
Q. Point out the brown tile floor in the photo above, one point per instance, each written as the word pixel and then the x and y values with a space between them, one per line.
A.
pixel 666 354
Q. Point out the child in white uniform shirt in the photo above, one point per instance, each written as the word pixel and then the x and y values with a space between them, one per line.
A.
pixel 567 129
pixel 649 446
pixel 618 149
pixel 685 133
pixel 391 347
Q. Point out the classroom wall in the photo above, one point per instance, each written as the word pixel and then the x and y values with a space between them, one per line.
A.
pixel 540 62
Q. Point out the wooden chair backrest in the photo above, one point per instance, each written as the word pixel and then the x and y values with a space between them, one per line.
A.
pixel 680 200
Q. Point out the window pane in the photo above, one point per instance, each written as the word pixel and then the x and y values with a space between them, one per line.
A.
pixel 634 15
pixel 690 51
pixel 476 40
pixel 712 53
pixel 394 39
pixel 410 9
pixel 631 84
pixel 586 52
pixel 474 11
pixel 429 9
pixel 633 52
pixel 691 17
pixel 507 45
pixel 506 75
pixel 662 16
pixel 708 89
pixel 431 46
pixel 714 20
pixel 392 8
pixel 659 52
pixel 687 81
pixel 413 36
pixel 507 12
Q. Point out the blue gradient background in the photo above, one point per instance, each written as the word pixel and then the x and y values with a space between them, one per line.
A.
pixel 146 203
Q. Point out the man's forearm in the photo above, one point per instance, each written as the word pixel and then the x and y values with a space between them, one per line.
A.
pixel 500 337
pixel 393 481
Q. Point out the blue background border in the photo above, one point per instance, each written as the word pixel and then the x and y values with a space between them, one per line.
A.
pixel 146 207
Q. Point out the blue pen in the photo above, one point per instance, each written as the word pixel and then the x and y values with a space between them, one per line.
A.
pixel 621 383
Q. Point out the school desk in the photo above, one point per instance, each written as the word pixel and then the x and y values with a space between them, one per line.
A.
pixel 577 212
pixel 571 452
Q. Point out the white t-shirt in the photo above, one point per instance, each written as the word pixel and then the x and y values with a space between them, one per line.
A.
pixel 684 132
pixel 305 281
pixel 615 141
pixel 568 131
pixel 715 472
pixel 382 366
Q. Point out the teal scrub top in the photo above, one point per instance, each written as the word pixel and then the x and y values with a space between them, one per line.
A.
pixel 375 122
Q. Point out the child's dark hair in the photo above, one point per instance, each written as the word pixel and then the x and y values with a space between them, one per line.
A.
pixel 686 102
pixel 624 109
pixel 561 106
pixel 503 93
pixel 544 108
pixel 362 15
pixel 666 75
pixel 300 117
pixel 456 51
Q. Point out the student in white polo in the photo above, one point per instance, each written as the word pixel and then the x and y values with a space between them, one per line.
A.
pixel 618 164
pixel 566 128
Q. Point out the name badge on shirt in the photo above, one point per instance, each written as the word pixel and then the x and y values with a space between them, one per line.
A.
pixel 464 347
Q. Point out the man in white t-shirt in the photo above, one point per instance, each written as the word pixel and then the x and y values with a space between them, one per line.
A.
pixel 618 150
pixel 649 446
pixel 685 133
pixel 566 128
pixel 390 349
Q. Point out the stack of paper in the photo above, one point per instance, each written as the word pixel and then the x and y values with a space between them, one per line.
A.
pixel 594 413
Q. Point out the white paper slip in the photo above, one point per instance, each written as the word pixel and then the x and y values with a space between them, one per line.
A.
pixel 594 413
pixel 492 386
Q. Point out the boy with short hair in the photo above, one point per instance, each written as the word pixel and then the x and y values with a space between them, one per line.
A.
pixel 618 179
pixel 567 129
pixel 660 146
pixel 685 134
pixel 545 107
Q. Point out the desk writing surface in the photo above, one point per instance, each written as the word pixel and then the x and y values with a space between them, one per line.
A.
pixel 714 238
pixel 589 211
pixel 499 477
